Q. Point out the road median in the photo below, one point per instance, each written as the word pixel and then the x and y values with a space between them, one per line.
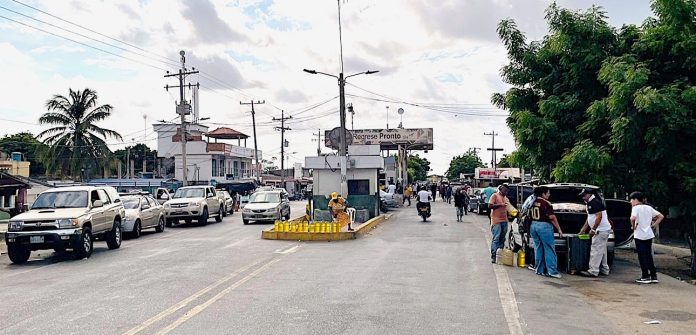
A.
pixel 361 230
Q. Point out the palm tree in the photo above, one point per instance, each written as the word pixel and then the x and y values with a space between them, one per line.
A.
pixel 76 143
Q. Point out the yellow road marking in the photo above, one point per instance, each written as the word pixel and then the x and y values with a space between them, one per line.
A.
pixel 195 310
pixel 183 303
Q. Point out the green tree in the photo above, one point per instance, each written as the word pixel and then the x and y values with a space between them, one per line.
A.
pixel 138 152
pixel 554 81
pixel 465 163
pixel 28 145
pixel 418 168
pixel 76 142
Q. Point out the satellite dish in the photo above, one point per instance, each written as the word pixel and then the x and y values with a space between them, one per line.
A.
pixel 400 111
pixel 182 52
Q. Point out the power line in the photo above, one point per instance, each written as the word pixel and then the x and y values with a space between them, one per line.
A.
pixel 81 43
pixel 471 112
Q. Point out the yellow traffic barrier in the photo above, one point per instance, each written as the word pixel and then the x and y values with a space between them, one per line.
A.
pixel 286 227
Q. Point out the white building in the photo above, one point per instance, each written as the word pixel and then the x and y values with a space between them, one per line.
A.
pixel 206 158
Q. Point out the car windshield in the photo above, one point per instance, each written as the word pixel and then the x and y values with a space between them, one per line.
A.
pixel 223 194
pixel 189 193
pixel 66 199
pixel 131 203
pixel 265 198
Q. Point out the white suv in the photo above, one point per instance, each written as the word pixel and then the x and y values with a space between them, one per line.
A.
pixel 194 202
pixel 67 218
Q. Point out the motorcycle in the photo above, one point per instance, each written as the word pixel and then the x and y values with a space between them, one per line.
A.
pixel 424 212
pixel 383 206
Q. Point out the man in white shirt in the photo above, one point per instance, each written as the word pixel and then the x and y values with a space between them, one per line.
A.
pixel 599 227
pixel 423 199
pixel 642 217
pixel 391 189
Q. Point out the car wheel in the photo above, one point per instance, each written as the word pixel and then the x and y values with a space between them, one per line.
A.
pixel 137 229
pixel 203 219
pixel 83 247
pixel 221 214
pixel 19 254
pixel 528 255
pixel 245 221
pixel 114 237
pixel 160 225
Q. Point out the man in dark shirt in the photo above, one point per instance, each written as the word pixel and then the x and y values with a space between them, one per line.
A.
pixel 543 222
pixel 600 229
pixel 461 201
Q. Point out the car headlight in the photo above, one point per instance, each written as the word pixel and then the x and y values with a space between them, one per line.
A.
pixel 193 204
pixel 167 206
pixel 246 210
pixel 67 223
pixel 15 225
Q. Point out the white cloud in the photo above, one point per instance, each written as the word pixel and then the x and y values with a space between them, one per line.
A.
pixel 426 50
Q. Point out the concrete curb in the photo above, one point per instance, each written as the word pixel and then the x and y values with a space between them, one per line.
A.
pixel 672 250
pixel 361 230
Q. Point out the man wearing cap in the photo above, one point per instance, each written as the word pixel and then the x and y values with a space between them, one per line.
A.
pixel 599 228
pixel 338 206
pixel 499 218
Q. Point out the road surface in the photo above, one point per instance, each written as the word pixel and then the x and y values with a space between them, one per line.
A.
pixel 405 277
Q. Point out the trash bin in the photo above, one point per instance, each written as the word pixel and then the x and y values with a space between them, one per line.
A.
pixel 578 255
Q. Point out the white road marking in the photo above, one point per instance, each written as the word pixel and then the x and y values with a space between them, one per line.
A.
pixel 287 251
pixel 157 253
pixel 236 243
pixel 506 295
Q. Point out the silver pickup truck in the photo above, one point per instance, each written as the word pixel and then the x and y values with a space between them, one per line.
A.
pixel 67 218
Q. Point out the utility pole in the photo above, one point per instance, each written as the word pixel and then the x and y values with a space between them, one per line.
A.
pixel 493 149
pixel 282 129
pixel 253 122
pixel 182 109
pixel 318 139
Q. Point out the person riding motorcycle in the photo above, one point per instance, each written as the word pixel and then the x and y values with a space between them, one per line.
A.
pixel 424 198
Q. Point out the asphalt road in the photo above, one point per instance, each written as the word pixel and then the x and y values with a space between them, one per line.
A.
pixel 405 277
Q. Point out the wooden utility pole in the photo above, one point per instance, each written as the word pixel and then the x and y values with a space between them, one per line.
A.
pixel 182 109
pixel 253 122
pixel 282 130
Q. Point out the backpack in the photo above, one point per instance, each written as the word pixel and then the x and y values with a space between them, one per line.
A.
pixel 525 219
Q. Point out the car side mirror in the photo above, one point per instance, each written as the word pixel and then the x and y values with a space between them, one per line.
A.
pixel 97 203
pixel 164 197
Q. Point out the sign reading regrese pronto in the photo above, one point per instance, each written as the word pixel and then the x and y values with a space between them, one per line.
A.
pixel 388 139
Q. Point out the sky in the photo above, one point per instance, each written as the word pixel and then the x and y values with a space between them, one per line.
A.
pixel 439 60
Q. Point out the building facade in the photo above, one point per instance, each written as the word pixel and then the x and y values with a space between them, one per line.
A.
pixel 207 157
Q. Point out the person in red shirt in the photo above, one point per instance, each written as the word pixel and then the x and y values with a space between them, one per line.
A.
pixel 543 222
pixel 499 218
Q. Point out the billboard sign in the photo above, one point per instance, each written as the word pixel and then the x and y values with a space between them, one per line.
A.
pixel 387 139
pixel 499 173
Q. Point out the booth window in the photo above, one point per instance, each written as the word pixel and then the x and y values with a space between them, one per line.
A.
pixel 359 187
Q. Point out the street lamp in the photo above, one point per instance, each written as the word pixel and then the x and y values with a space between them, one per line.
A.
pixel 343 147
pixel 401 114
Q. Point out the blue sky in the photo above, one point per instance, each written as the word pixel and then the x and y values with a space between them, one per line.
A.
pixel 438 51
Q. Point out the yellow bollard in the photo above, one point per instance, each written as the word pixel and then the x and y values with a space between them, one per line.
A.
pixel 335 227
pixel 286 227
pixel 521 258
pixel 323 227
pixel 294 227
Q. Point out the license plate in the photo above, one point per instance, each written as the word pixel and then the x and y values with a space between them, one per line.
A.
pixel 36 239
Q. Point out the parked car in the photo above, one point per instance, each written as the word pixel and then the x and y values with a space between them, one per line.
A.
pixel 142 212
pixel 162 195
pixel 194 203
pixel 227 200
pixel 267 206
pixel 67 218
pixel 473 202
pixel 571 212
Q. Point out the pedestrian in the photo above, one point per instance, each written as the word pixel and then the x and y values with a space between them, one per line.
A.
pixel 433 191
pixel 644 219
pixel 448 194
pixel 391 189
pixel 460 202
pixel 543 222
pixel 599 228
pixel 499 218
pixel 408 192
pixel 488 193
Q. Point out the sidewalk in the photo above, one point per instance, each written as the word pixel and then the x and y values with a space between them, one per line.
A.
pixel 3 246
pixel 672 260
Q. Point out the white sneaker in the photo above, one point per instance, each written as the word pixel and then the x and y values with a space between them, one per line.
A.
pixel 557 276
